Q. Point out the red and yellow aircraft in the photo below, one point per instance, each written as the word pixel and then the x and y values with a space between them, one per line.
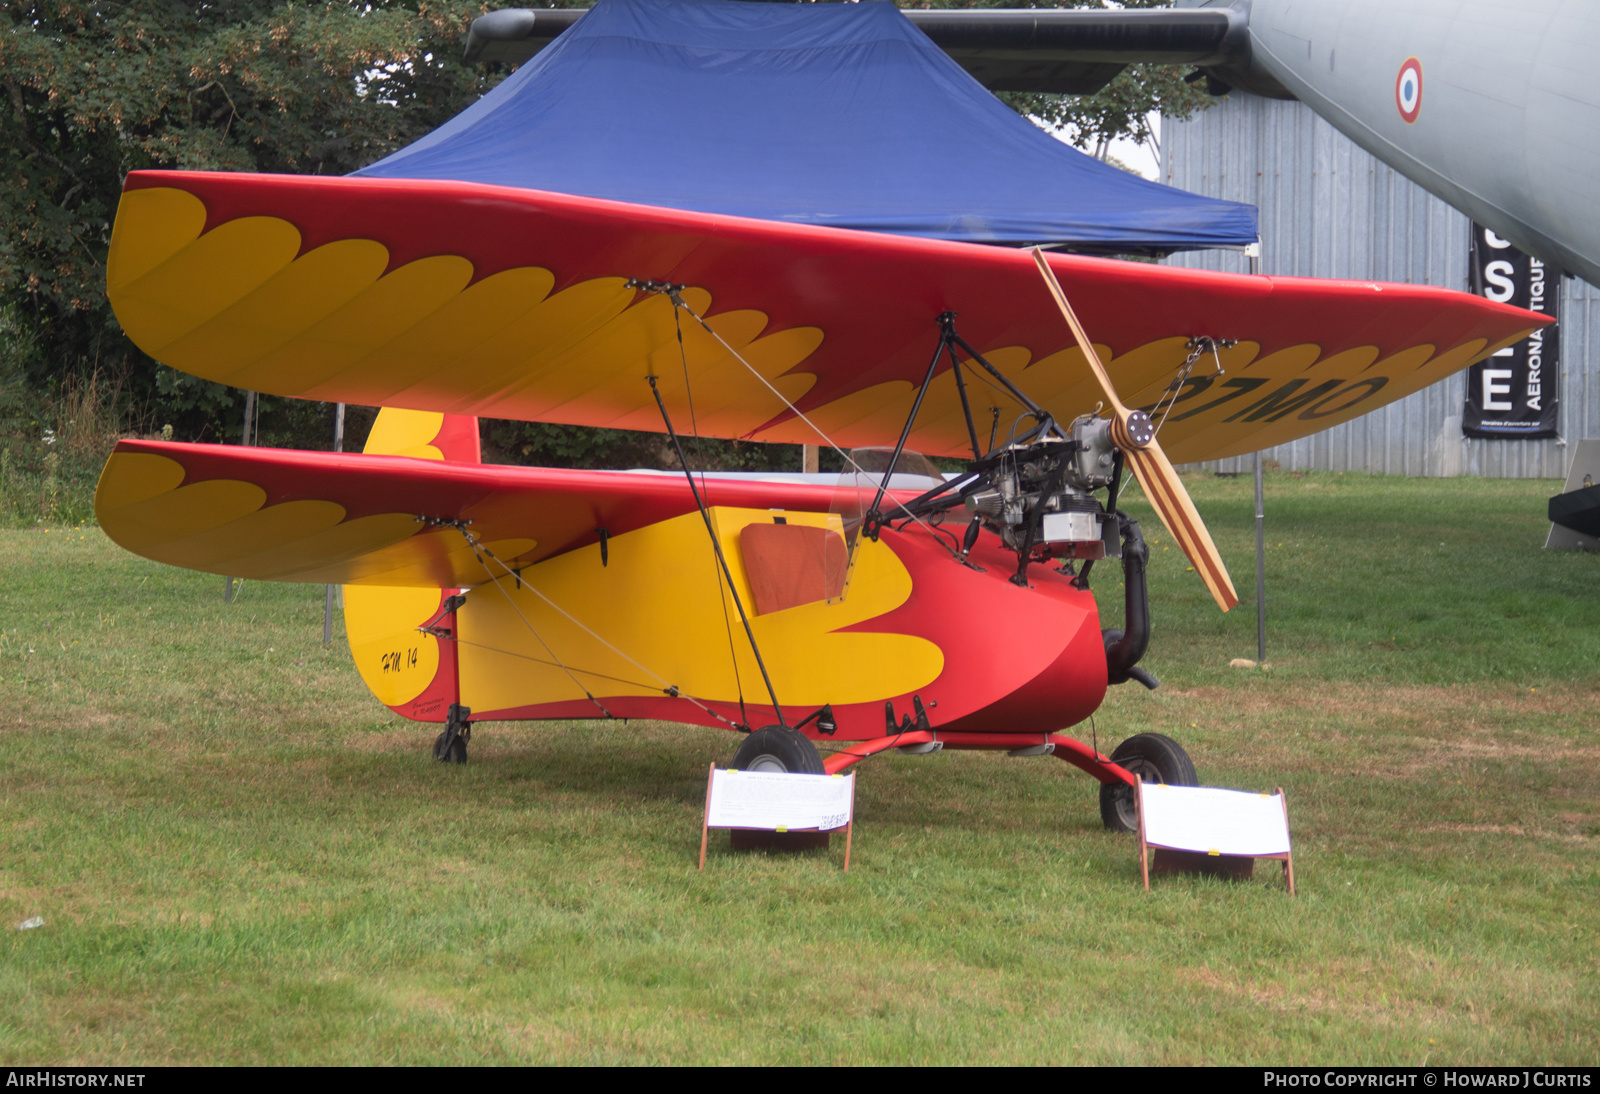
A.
pixel 886 613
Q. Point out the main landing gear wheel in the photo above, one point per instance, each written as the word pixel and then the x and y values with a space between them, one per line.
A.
pixel 1155 759
pixel 457 751
pixel 778 748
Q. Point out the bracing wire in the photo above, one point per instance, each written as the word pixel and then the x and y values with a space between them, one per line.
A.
pixel 722 561
pixel 1197 349
pixel 669 689
pixel 678 302
pixel 477 547
pixel 552 664
pixel 673 294
pixel 722 592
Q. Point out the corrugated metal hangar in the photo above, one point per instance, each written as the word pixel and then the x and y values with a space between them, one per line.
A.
pixel 1328 209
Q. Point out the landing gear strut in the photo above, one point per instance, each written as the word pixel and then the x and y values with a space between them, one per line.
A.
pixel 451 745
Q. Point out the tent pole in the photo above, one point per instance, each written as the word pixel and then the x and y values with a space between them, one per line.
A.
pixel 1261 517
pixel 230 585
pixel 327 603
pixel 1261 571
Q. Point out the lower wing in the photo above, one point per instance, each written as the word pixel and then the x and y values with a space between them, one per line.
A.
pixel 385 520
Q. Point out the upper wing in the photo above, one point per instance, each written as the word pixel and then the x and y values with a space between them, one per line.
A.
pixel 474 299
pixel 372 520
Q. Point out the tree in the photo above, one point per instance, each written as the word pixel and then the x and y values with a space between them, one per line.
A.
pixel 94 89
pixel 1119 111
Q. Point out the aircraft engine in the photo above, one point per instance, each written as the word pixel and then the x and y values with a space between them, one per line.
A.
pixel 1042 493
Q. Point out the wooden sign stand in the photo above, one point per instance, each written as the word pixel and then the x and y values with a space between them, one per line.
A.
pixel 1213 861
pixel 814 832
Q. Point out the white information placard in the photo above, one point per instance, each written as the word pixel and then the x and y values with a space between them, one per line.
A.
pixel 778 801
pixel 1214 821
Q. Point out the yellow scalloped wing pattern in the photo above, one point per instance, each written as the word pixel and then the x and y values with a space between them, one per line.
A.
pixel 241 304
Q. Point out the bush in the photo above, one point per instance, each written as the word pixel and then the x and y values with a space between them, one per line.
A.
pixel 50 460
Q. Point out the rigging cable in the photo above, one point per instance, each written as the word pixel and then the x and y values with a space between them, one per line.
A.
pixel 722 593
pixel 552 664
pixel 478 550
pixel 671 690
pixel 716 545
pixel 678 302
pixel 1197 349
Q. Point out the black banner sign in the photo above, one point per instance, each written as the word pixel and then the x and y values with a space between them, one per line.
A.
pixel 1517 392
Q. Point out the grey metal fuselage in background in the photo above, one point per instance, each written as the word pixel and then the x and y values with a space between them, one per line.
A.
pixel 1507 122
pixel 1502 120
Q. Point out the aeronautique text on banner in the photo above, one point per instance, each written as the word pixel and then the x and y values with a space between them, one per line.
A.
pixel 1516 392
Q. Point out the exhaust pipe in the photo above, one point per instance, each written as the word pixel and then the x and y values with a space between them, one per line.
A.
pixel 1125 648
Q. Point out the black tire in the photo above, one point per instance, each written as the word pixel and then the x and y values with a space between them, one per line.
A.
pixel 778 748
pixel 1155 759
pixel 458 749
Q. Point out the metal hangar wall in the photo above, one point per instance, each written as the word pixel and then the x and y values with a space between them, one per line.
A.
pixel 1329 209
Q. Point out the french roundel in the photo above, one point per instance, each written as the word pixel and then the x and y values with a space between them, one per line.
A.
pixel 1408 89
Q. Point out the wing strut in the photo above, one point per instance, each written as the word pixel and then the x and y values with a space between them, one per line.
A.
pixel 874 517
pixel 672 293
pixel 722 561
pixel 949 340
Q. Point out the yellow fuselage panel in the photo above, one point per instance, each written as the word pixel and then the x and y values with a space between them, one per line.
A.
pixel 661 615
pixel 395 659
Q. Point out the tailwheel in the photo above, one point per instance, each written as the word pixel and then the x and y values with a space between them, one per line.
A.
pixel 1155 759
pixel 450 747
pixel 778 748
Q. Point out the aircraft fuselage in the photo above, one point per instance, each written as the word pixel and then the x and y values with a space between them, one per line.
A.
pixel 1501 117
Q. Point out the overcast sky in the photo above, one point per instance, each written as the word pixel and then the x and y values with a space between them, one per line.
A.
pixel 1139 156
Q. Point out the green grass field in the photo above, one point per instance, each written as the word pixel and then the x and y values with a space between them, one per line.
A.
pixel 241 858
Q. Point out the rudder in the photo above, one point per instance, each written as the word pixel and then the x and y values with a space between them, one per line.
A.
pixel 413 673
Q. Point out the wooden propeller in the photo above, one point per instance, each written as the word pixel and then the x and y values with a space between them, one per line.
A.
pixel 1134 433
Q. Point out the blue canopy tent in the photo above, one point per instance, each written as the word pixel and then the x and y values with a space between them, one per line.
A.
pixel 843 115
